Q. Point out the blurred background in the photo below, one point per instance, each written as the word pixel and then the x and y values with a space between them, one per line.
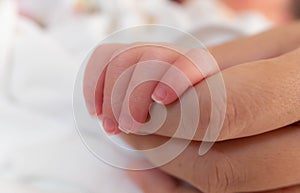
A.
pixel 42 45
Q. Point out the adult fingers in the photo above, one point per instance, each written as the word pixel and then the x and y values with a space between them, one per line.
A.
pixel 273 43
pixel 293 189
pixel 154 180
pixel 261 96
pixel 243 165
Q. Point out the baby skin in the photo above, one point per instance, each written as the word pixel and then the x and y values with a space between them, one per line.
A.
pixel 123 80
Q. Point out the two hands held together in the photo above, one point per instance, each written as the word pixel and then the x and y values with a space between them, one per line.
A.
pixel 257 149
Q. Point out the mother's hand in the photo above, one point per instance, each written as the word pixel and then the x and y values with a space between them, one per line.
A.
pixel 149 181
pixel 262 96
pixel 259 163
pixel 262 80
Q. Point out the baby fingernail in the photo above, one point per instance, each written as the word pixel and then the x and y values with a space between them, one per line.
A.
pixel 109 125
pixel 159 94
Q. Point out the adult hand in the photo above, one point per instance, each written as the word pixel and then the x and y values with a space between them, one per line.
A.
pixel 262 96
pixel 259 163
pixel 266 162
pixel 155 180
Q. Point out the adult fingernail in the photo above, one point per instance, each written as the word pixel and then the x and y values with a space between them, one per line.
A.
pixel 109 125
pixel 159 94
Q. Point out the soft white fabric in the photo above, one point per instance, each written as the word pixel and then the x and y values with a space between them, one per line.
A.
pixel 40 150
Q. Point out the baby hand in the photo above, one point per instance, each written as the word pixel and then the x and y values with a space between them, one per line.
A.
pixel 122 80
